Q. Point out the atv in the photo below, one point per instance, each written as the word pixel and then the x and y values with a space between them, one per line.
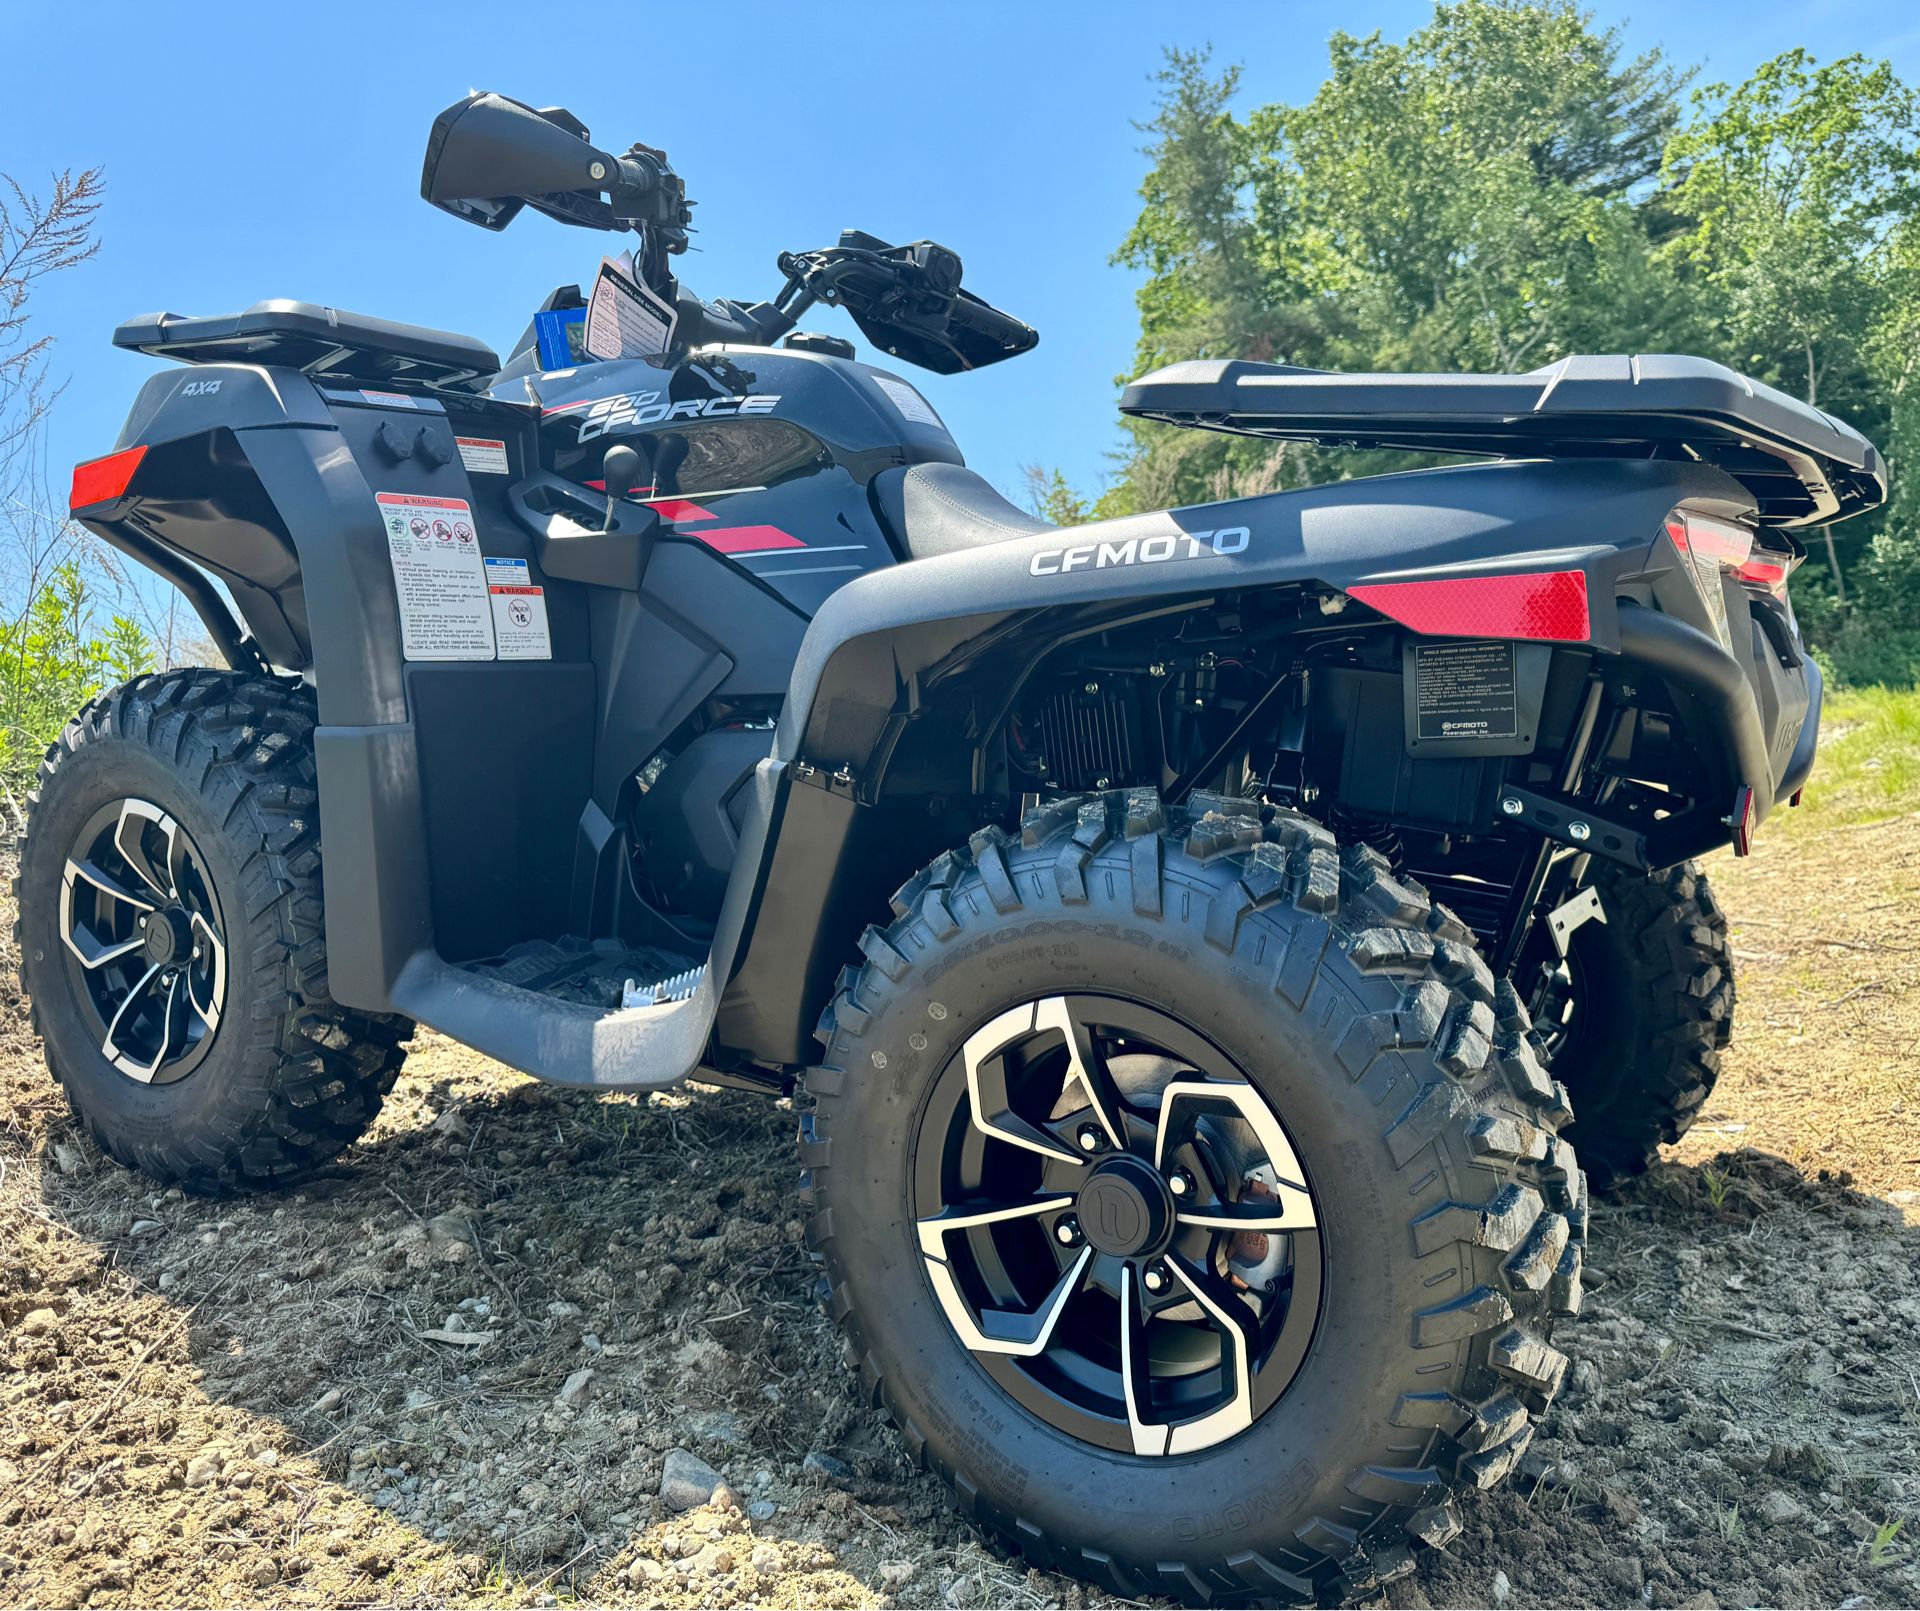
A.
pixel 1163 924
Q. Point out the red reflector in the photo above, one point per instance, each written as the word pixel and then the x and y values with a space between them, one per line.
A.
pixel 749 539
pixel 102 480
pixel 1740 820
pixel 1542 604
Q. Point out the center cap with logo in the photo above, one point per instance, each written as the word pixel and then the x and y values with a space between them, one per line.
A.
pixel 1125 1208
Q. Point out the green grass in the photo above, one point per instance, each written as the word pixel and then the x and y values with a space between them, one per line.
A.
pixel 1868 766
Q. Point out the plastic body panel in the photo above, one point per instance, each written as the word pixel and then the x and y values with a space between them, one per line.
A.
pixel 763 455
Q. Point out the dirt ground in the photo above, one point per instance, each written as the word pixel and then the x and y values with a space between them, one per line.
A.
pixel 371 1390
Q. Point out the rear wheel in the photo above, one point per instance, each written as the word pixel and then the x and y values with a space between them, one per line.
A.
pixel 1634 1020
pixel 1191 1196
pixel 171 943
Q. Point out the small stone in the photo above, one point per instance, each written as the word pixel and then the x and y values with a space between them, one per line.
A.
pixel 39 1323
pixel 762 1509
pixel 67 1159
pixel 204 1468
pixel 444 1230
pixel 645 1570
pixel 1778 1506
pixel 144 1227
pixel 326 1403
pixel 558 1310
pixel 573 1392
pixel 263 1574
pixel 267 1457
pixel 824 1467
pixel 686 1480
pixel 765 1558
pixel 726 1498
pixel 1502 1588
pixel 896 1575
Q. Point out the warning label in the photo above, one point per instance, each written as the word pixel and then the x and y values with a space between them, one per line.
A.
pixel 438 574
pixel 482 455
pixel 1465 691
pixel 519 611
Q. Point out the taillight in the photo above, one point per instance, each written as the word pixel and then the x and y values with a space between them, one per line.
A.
pixel 102 480
pixel 1712 548
pixel 1768 569
pixel 1716 548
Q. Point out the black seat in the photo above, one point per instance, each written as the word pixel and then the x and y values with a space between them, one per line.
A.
pixel 931 509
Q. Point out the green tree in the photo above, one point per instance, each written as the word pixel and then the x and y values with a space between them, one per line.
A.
pixel 53 659
pixel 1465 199
pixel 1799 187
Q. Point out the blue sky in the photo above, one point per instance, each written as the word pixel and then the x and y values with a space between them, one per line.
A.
pixel 274 150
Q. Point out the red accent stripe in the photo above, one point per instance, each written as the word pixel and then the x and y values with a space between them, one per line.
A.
pixel 749 539
pixel 1550 605
pixel 102 480
pixel 676 509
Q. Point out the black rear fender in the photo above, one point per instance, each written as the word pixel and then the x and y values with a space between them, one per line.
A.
pixel 905 675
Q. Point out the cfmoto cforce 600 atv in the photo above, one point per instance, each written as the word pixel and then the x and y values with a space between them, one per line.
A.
pixel 1165 920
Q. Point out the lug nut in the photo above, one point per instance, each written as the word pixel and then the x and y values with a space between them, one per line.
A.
pixel 1089 1138
pixel 1156 1278
pixel 1067 1232
pixel 143 920
pixel 1511 806
pixel 1180 1183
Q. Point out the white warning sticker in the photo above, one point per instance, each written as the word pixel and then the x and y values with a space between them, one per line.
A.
pixel 911 404
pixel 519 611
pixel 438 574
pixel 482 455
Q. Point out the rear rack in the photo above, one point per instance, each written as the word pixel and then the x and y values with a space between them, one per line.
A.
pixel 326 342
pixel 1801 466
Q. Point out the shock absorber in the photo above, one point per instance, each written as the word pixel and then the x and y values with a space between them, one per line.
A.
pixel 1352 828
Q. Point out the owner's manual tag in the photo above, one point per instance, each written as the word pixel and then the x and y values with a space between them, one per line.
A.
pixel 438 577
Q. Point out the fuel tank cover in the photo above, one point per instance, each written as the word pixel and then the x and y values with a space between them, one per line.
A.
pixel 815 341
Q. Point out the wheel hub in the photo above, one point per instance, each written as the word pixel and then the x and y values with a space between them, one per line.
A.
pixel 143 935
pixel 1115 1224
pixel 169 936
pixel 1125 1208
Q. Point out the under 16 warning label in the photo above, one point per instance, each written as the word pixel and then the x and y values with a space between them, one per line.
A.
pixel 519 611
pixel 439 577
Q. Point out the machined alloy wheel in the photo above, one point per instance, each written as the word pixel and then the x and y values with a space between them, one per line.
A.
pixel 1190 1192
pixel 143 931
pixel 1116 1224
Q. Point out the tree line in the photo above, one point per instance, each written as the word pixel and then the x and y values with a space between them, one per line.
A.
pixel 1507 186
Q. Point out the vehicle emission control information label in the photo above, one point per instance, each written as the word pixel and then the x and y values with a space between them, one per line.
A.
pixel 445 611
pixel 519 611
pixel 1465 690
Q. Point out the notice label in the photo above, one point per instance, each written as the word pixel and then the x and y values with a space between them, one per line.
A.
pixel 1464 691
pixel 911 404
pixel 519 611
pixel 391 399
pixel 482 455
pixel 625 319
pixel 439 577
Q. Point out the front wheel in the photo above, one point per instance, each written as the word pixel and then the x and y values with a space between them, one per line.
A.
pixel 1193 1198
pixel 171 942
